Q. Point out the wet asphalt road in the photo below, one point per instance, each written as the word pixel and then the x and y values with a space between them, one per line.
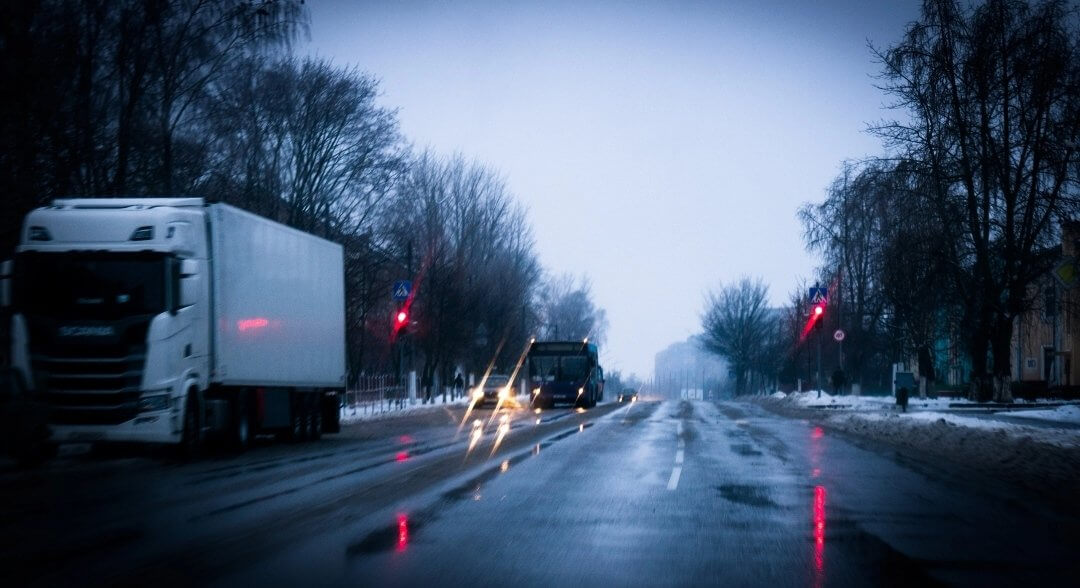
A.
pixel 649 494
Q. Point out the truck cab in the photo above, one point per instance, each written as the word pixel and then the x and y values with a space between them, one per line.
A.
pixel 109 324
pixel 163 320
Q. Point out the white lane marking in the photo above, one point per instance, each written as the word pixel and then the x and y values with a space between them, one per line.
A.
pixel 682 444
pixel 673 481
pixel 679 456
pixel 678 428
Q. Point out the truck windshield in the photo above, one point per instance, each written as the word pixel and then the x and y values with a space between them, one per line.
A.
pixel 91 285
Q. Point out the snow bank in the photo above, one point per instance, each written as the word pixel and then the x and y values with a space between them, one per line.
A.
pixel 370 412
pixel 1063 414
pixel 1038 457
pixel 1032 456
pixel 871 403
pixel 906 427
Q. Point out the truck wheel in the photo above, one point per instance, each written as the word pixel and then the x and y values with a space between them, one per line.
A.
pixel 241 429
pixel 191 439
pixel 298 419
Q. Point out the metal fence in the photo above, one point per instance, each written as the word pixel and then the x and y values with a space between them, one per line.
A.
pixel 375 394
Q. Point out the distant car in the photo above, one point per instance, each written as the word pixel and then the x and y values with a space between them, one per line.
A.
pixel 628 396
pixel 494 385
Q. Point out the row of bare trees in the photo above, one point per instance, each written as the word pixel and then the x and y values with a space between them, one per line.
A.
pixel 942 239
pixel 205 97
pixel 938 245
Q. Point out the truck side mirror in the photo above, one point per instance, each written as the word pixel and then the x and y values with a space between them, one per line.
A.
pixel 189 290
pixel 188 267
pixel 189 283
pixel 6 269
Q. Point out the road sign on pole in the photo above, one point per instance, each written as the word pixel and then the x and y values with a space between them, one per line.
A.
pixel 818 294
pixel 838 335
pixel 401 290
pixel 1067 273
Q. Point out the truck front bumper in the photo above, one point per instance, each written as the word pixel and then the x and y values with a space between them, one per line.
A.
pixel 150 427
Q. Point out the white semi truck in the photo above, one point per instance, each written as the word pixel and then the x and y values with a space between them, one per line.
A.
pixel 168 320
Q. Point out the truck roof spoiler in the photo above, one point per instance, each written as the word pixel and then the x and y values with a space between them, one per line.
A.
pixel 120 203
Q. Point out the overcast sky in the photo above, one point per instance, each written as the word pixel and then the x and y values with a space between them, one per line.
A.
pixel 661 147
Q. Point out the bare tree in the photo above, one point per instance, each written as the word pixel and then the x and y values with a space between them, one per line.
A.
pixel 737 325
pixel 847 230
pixel 476 270
pixel 569 312
pixel 994 126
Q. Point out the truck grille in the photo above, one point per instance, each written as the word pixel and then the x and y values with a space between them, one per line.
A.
pixel 90 383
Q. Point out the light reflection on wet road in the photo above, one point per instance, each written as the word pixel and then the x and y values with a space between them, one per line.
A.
pixel 649 493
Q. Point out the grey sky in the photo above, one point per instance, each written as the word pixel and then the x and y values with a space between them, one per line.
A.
pixel 660 147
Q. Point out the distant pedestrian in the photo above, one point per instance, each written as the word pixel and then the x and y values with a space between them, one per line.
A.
pixel 902 398
pixel 459 386
pixel 839 380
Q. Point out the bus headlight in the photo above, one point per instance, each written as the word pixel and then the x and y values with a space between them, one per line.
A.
pixel 504 393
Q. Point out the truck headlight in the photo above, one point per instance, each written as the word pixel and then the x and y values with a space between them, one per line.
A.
pixel 153 402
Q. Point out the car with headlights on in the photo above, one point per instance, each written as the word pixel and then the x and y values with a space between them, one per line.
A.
pixel 628 395
pixel 496 387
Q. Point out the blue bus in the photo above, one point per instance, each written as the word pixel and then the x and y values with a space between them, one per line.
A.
pixel 565 372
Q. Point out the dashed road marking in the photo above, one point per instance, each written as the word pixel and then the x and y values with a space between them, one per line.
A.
pixel 673 481
pixel 679 456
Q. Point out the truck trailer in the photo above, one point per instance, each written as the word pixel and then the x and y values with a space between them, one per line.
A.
pixel 171 320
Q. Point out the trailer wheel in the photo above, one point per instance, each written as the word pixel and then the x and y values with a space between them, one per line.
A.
pixel 191 438
pixel 298 418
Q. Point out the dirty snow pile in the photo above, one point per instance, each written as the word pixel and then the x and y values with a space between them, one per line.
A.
pixel 1029 454
pixel 1035 456
pixel 864 403
pixel 375 411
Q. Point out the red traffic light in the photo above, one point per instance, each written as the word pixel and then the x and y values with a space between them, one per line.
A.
pixel 402 316
pixel 819 310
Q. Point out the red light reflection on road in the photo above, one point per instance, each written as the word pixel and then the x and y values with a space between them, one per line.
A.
pixel 405 439
pixel 402 456
pixel 402 532
pixel 817 433
pixel 251 324
pixel 819 535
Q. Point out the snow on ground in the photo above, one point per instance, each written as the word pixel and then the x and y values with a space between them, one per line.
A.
pixel 375 411
pixel 811 399
pixel 1025 453
pixel 383 410
pixel 1064 414
pixel 918 422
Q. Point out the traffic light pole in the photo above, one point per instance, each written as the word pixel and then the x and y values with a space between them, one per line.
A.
pixel 820 331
